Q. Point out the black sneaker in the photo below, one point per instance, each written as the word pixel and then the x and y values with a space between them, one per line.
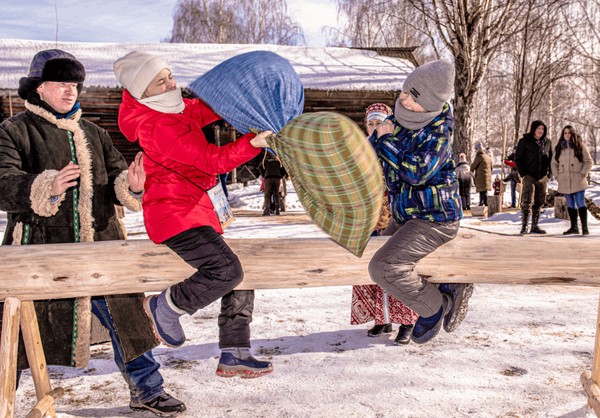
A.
pixel 163 405
pixel 459 294
pixel 403 336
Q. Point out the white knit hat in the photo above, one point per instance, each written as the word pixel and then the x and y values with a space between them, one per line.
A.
pixel 136 70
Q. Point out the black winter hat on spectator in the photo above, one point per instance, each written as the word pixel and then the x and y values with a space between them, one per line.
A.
pixel 51 65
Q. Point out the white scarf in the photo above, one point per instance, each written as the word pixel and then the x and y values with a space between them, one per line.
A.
pixel 168 102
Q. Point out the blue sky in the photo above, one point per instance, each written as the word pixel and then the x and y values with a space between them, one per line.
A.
pixel 129 21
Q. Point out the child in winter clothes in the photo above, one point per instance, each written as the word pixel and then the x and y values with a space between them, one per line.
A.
pixel 497 185
pixel 465 180
pixel 181 167
pixel 415 149
pixel 514 179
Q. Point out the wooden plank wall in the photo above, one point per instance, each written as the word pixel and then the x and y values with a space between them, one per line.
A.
pixel 101 106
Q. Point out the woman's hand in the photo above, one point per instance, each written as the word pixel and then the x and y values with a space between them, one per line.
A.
pixel 67 177
pixel 260 140
pixel 136 176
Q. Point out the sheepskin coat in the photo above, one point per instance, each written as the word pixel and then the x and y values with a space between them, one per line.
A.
pixel 34 146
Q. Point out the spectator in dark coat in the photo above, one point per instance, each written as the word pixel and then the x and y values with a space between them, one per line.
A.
pixel 465 181
pixel 533 157
pixel 272 170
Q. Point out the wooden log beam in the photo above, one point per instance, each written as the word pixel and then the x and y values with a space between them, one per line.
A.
pixel 115 267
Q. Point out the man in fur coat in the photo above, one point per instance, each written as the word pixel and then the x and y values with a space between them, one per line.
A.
pixel 60 179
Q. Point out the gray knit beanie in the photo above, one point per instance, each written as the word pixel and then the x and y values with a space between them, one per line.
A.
pixel 136 70
pixel 431 84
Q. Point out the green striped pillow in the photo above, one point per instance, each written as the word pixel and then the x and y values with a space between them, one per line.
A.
pixel 336 174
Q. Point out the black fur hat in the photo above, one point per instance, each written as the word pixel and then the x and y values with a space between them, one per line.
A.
pixel 51 65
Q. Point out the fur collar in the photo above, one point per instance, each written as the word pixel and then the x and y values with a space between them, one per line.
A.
pixel 84 160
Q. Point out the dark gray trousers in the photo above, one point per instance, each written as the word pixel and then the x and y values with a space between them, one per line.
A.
pixel 392 266
pixel 533 190
pixel 219 271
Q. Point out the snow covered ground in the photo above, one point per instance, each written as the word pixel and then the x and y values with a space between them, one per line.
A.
pixel 519 353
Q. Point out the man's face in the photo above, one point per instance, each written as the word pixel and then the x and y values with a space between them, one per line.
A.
pixel 162 83
pixel 61 96
pixel 539 132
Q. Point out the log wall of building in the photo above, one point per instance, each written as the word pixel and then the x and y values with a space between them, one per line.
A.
pixel 101 106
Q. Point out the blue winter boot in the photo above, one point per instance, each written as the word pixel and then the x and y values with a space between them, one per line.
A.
pixel 428 327
pixel 165 318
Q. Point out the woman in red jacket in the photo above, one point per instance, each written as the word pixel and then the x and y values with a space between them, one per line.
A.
pixel 181 167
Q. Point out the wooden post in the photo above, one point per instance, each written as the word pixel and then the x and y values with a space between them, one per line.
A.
pixel 590 380
pixel 560 208
pixel 35 353
pixel 8 356
pixel 234 179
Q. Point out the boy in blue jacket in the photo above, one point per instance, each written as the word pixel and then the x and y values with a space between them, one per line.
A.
pixel 415 149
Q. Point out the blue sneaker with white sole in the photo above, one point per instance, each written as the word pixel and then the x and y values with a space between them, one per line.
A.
pixel 248 368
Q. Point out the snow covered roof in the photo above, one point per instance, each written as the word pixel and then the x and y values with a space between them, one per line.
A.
pixel 319 68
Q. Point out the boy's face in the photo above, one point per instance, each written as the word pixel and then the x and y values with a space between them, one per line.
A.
pixel 407 101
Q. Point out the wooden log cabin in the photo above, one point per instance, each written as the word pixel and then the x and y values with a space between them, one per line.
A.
pixel 343 80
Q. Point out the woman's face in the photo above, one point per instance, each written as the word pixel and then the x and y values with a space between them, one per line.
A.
pixel 372 125
pixel 162 83
pixel 567 134
pixel 409 103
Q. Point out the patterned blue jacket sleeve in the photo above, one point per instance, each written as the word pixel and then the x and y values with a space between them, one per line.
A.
pixel 418 159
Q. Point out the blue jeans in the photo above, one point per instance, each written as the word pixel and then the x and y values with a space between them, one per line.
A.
pixel 576 200
pixel 223 180
pixel 141 374
pixel 513 192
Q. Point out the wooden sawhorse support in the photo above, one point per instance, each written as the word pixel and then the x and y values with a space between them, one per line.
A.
pixel 590 380
pixel 17 313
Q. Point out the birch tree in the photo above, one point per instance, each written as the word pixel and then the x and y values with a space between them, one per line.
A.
pixel 240 21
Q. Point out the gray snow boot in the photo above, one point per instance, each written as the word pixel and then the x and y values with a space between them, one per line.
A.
pixel 165 318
